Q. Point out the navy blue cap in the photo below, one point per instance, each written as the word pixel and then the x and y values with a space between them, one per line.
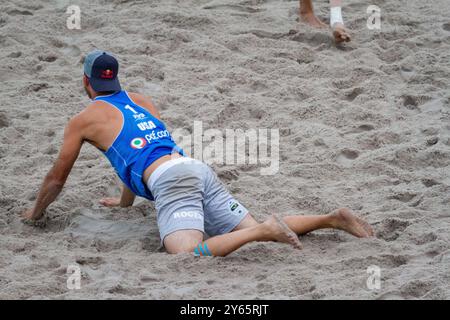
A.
pixel 102 68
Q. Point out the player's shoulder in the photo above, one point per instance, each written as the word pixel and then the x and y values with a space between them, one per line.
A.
pixel 139 98
pixel 145 102
pixel 89 113
pixel 96 109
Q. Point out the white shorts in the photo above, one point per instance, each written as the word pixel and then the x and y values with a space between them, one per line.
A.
pixel 189 196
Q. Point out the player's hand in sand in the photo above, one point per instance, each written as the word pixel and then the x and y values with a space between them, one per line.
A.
pixel 125 200
pixel 340 33
pixel 110 202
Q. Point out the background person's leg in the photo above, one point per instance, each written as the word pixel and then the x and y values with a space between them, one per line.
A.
pixel 307 14
pixel 339 32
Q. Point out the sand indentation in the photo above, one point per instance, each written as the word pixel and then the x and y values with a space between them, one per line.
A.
pixel 391 229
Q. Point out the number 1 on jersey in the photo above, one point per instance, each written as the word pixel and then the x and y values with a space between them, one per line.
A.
pixel 130 108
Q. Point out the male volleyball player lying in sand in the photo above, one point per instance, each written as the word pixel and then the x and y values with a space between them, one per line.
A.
pixel 189 198
pixel 336 22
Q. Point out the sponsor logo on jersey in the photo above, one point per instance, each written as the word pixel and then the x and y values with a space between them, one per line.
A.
pixel 138 143
pixel 147 125
pixel 139 116
pixel 156 135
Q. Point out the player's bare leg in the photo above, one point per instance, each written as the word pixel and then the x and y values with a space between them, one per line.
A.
pixel 273 229
pixel 341 219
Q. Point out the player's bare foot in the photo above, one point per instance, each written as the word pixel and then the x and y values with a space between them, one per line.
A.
pixel 345 220
pixel 340 33
pixel 312 20
pixel 279 231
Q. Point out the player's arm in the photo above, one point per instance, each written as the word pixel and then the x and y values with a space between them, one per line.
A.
pixel 57 176
pixel 126 199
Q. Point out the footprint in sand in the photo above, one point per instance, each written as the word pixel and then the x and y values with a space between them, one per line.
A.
pixel 94 261
pixel 48 58
pixel 15 55
pixel 3 22
pixel 393 260
pixel 18 12
pixel 365 127
pixel 403 196
pixel 346 157
pixel 38 87
pixel 127 291
pixel 417 288
pixel 228 175
pixel 391 229
pixel 4 122
pixel 414 102
pixel 261 277
pixel 425 238
pixel 257 113
pixel 353 94
pixel 407 197
pixel 432 141
pixel 49 133
pixel 429 182
pixel 410 102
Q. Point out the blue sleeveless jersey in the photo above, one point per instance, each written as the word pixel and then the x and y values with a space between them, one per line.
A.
pixel 142 140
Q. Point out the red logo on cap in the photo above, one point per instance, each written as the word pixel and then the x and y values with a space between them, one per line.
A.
pixel 107 74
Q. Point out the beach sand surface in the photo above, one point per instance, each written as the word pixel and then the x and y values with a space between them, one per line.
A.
pixel 366 126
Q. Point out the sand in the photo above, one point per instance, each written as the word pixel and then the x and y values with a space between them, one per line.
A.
pixel 364 126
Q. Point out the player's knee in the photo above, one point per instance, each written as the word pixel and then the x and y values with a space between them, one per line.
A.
pixel 183 241
pixel 186 247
